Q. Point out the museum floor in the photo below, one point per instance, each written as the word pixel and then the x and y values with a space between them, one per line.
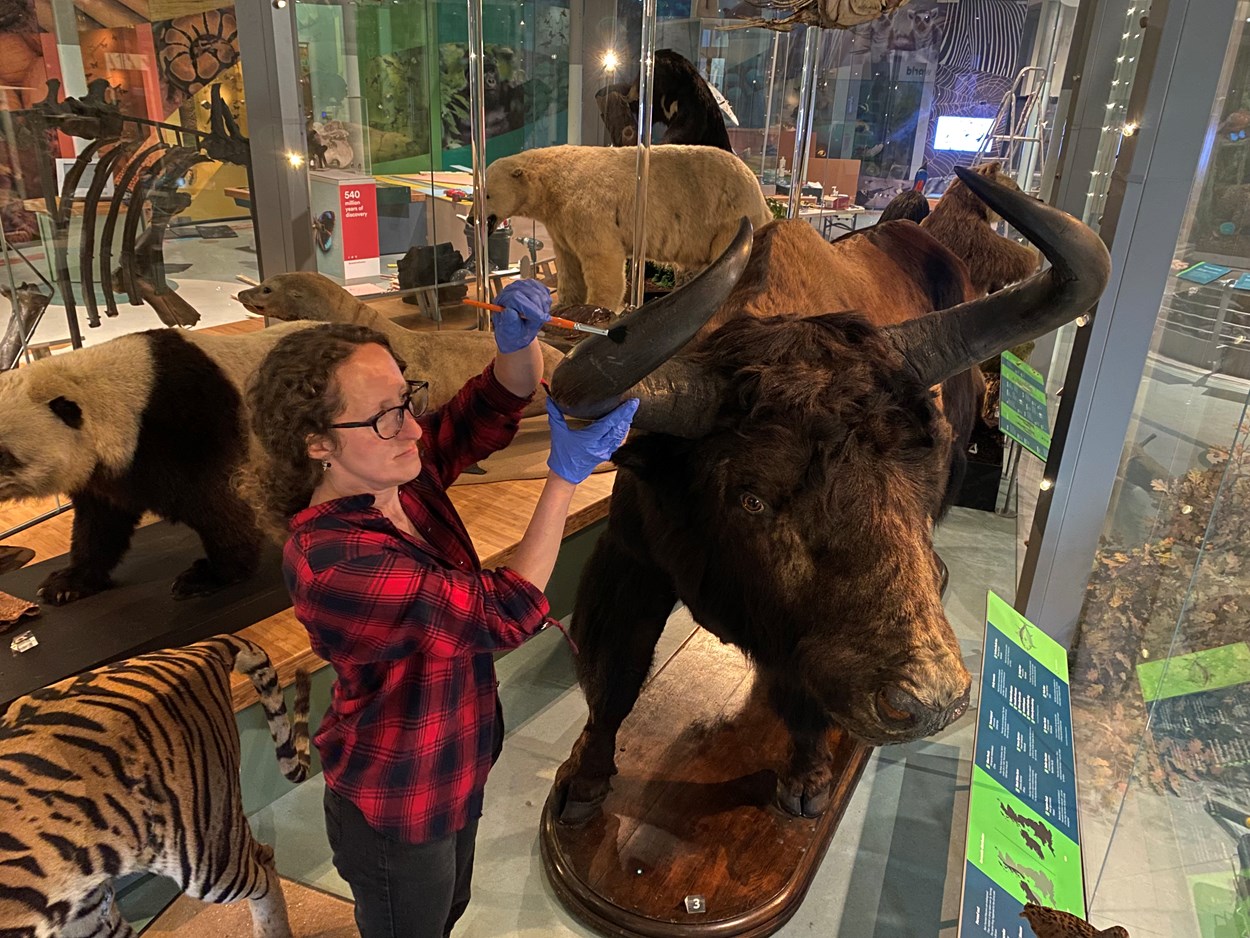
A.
pixel 894 867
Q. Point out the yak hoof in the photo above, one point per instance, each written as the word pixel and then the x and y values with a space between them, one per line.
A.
pixel 580 800
pixel 804 798
pixel 202 579
pixel 66 586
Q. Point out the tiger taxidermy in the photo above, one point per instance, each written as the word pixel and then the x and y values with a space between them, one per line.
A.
pixel 134 767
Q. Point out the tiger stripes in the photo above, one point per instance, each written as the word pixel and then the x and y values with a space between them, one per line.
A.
pixel 134 767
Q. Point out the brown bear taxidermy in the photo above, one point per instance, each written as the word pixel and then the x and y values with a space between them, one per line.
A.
pixel 964 223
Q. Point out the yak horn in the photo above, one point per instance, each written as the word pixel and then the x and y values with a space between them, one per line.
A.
pixel 599 373
pixel 680 398
pixel 942 344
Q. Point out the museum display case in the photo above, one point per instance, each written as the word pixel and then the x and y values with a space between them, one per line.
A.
pixel 1159 663
pixel 158 92
pixel 395 132
pixel 124 169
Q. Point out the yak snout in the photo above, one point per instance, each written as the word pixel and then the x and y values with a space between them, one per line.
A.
pixel 902 711
pixel 905 716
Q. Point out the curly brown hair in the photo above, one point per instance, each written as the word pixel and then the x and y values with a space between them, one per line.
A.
pixel 293 396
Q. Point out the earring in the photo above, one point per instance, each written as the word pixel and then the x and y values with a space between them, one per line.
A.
pixel 325 465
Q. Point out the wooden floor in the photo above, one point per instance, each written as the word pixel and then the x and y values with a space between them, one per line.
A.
pixel 313 914
pixel 496 515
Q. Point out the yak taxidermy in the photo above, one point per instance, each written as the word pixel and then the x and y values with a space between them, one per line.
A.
pixel 793 463
pixel 964 223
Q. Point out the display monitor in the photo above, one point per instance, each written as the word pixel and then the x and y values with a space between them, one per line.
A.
pixel 961 133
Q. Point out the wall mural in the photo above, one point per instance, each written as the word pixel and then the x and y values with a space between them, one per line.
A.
pixel 936 68
pixel 194 50
pixel 503 92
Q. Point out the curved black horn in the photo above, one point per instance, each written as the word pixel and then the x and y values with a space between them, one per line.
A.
pixel 599 373
pixel 947 342
pixel 679 398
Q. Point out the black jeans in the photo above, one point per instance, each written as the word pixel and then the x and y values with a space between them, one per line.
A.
pixel 401 890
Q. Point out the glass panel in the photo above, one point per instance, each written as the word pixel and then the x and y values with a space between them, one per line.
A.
pixel 1160 677
pixel 401 121
pixel 129 208
pixel 1136 13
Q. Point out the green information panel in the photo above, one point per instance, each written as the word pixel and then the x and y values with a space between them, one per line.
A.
pixel 1023 841
pixel 1022 406
pixel 1198 671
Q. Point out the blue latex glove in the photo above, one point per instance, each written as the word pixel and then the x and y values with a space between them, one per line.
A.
pixel 575 453
pixel 527 305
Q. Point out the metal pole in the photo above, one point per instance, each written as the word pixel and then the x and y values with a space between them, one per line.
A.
pixel 803 119
pixel 279 188
pixel 477 124
pixel 577 57
pixel 768 101
pixel 643 162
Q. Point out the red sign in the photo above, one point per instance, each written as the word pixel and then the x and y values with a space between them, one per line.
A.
pixel 359 214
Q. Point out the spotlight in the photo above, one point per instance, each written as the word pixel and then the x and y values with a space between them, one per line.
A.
pixel 1129 129
pixel 1047 485
pixel 295 159
pixel 279 4
pixel 610 61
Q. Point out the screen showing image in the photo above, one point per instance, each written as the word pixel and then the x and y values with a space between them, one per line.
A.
pixel 961 133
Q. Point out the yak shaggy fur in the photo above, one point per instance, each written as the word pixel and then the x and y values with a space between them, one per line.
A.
pixel 962 223
pixel 888 273
pixel 584 196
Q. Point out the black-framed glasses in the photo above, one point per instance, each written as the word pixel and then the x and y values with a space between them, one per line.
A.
pixel 387 423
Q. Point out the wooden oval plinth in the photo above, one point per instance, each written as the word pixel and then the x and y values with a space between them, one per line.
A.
pixel 692 812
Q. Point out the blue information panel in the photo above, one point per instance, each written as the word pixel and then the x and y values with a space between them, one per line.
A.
pixel 1204 272
pixel 1023 840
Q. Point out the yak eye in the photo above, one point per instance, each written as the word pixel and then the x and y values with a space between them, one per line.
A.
pixel 752 504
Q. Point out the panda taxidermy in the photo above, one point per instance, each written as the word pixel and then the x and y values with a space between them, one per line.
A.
pixel 151 421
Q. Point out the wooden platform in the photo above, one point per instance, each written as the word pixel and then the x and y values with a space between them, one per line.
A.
pixel 132 618
pixel 691 812
pixel 496 515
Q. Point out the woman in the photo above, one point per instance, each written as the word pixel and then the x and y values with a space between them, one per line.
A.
pixel 384 576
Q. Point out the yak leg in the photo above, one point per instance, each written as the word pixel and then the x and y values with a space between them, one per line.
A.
pixel 805 786
pixel 622 605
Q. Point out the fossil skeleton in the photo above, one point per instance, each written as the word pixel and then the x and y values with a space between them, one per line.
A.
pixel 147 170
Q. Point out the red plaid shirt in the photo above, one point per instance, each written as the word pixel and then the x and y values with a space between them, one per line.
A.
pixel 410 732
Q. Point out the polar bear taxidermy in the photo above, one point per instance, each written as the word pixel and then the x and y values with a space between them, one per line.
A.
pixel 584 196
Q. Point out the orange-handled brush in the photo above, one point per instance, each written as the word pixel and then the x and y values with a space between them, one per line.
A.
pixel 616 333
